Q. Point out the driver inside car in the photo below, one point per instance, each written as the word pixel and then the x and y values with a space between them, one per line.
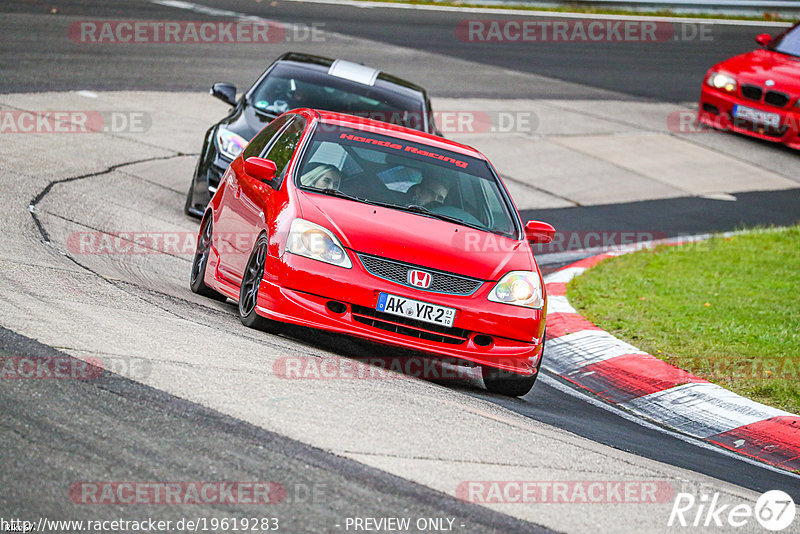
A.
pixel 429 193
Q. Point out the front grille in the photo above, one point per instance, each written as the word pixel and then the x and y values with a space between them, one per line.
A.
pixel 409 327
pixel 753 92
pixel 441 282
pixel 775 98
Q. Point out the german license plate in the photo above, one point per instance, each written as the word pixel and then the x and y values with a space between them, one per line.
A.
pixel 757 116
pixel 414 309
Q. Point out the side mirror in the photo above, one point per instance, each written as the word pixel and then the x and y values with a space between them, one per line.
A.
pixel 539 232
pixel 225 92
pixel 260 169
pixel 763 39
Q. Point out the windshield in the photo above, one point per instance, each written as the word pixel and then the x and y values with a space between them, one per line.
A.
pixel 430 182
pixel 789 43
pixel 287 88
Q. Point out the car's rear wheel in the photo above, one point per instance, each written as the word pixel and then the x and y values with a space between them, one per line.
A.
pixel 197 281
pixel 248 292
pixel 508 383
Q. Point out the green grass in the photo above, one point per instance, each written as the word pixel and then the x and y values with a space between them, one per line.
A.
pixel 727 309
pixel 576 8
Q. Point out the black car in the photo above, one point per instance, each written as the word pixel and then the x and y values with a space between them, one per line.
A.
pixel 302 81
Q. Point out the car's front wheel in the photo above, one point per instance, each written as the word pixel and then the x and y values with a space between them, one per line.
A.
pixel 200 261
pixel 248 292
pixel 508 383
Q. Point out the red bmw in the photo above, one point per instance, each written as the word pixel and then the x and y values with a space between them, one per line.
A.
pixel 354 226
pixel 757 93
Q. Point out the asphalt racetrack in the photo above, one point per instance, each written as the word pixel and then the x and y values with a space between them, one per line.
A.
pixel 588 136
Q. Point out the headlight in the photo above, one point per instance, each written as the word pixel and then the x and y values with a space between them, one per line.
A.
pixel 519 288
pixel 316 242
pixel 722 81
pixel 229 143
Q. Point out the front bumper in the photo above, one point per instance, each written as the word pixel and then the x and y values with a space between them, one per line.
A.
pixel 716 110
pixel 297 290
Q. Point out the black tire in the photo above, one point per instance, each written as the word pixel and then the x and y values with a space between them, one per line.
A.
pixel 197 278
pixel 248 292
pixel 508 383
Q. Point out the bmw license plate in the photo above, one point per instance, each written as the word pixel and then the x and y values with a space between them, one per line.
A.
pixel 414 309
pixel 764 118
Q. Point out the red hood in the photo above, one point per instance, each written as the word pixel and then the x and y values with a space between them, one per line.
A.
pixel 758 66
pixel 416 239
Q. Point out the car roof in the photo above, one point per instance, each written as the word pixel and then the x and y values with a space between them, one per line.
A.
pixel 391 130
pixel 344 69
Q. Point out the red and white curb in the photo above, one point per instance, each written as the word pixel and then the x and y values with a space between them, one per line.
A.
pixel 621 374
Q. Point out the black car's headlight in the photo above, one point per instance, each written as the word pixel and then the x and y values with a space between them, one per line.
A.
pixel 722 81
pixel 316 242
pixel 519 288
pixel 230 144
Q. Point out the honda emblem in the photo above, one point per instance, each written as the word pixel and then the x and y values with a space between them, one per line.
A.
pixel 419 279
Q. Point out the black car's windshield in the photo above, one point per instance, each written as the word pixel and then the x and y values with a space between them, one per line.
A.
pixel 789 43
pixel 287 87
pixel 425 180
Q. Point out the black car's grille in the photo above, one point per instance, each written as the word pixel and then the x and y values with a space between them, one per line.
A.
pixel 409 327
pixel 775 98
pixel 753 92
pixel 398 272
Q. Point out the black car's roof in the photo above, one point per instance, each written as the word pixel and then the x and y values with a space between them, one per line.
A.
pixel 323 64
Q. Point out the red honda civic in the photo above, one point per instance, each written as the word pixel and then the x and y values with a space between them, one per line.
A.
pixel 757 93
pixel 377 231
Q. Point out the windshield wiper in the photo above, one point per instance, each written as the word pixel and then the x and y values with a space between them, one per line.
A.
pixel 422 210
pixel 336 193
pixel 413 208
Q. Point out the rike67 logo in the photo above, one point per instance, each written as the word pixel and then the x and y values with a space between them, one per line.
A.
pixel 774 510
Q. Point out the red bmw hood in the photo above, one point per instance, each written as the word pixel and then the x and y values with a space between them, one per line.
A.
pixel 416 239
pixel 759 66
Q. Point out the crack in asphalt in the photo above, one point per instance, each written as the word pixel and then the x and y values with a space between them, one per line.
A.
pixel 43 193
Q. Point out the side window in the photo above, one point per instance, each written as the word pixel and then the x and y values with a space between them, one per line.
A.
pixel 283 148
pixel 262 139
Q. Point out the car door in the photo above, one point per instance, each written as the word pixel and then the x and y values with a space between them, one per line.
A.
pixel 228 224
pixel 252 206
